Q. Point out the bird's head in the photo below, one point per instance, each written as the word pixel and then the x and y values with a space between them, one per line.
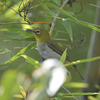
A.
pixel 40 34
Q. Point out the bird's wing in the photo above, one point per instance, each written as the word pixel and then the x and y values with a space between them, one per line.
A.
pixel 57 48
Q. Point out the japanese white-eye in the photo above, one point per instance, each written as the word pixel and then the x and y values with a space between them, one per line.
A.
pixel 48 48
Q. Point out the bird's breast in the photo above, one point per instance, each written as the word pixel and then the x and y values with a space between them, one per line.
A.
pixel 47 52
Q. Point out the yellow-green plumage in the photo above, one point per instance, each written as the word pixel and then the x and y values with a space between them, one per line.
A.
pixel 49 48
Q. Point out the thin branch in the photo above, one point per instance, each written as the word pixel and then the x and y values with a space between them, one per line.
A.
pixel 54 21
pixel 92 5
pixel 10 8
pixel 26 23
pixel 82 41
pixel 69 92
pixel 88 3
pixel 16 12
pixel 41 23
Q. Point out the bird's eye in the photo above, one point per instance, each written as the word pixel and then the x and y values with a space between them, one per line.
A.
pixel 38 31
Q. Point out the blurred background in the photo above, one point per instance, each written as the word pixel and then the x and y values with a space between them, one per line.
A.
pixel 13 37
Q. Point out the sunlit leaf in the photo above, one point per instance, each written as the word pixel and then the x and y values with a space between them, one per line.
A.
pixel 63 57
pixel 18 96
pixel 82 61
pixel 31 61
pixel 30 46
pixel 13 30
pixel 76 85
pixel 22 91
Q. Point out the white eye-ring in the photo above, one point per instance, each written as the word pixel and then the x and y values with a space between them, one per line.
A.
pixel 38 31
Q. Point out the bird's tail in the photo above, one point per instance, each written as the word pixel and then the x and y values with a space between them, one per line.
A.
pixel 78 72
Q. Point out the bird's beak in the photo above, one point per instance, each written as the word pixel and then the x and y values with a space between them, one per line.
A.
pixel 29 30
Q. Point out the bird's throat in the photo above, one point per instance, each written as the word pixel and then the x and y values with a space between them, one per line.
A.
pixel 47 52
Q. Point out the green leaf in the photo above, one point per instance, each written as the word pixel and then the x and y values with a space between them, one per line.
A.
pixel 63 57
pixel 43 1
pixel 22 91
pixel 18 96
pixel 13 30
pixel 21 39
pixel 32 61
pixel 68 28
pixel 4 50
pixel 82 61
pixel 63 11
pixel 22 32
pixel 30 46
pixel 89 25
pixel 78 94
pixel 75 85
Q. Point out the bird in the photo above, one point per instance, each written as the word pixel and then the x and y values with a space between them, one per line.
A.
pixel 48 48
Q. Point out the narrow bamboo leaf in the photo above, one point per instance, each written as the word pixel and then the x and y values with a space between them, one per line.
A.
pixel 63 57
pixel 30 46
pixel 63 11
pixel 92 26
pixel 20 87
pixel 22 91
pixel 18 96
pixel 82 61
pixel 18 31
pixel 31 61
pixel 4 51
pixel 21 39
pixel 89 25
pixel 78 94
pixel 68 28
pixel 49 10
pixel 76 85
pixel 13 30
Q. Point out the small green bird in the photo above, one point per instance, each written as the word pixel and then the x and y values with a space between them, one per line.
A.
pixel 49 48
